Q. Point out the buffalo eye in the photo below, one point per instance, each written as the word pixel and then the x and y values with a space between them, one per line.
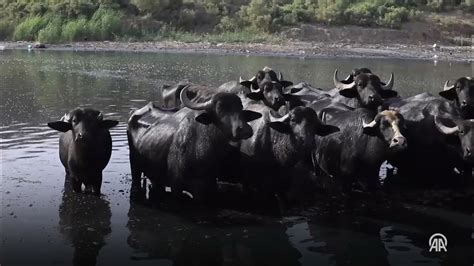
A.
pixel 74 120
pixel 461 132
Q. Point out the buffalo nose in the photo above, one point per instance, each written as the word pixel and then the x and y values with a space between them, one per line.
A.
pixel 79 136
pixel 371 97
pixel 464 103
pixel 399 141
pixel 468 152
pixel 238 130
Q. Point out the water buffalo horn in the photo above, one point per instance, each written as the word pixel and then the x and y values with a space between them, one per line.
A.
pixel 371 124
pixel 66 118
pixel 447 87
pixel 389 85
pixel 279 119
pixel 192 105
pixel 254 90
pixel 100 116
pixel 341 86
pixel 445 129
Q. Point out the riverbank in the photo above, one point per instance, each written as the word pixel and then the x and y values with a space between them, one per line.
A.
pixel 300 49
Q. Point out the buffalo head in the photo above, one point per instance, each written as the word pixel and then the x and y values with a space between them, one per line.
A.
pixel 225 111
pixel 267 87
pixel 461 132
pixel 303 124
pixel 462 93
pixel 366 88
pixel 85 123
pixel 388 125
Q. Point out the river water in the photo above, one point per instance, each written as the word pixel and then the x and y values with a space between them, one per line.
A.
pixel 44 224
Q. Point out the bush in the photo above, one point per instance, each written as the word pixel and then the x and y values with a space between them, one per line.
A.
pixel 105 24
pixel 76 30
pixel 29 28
pixel 6 30
pixel 51 33
pixel 394 17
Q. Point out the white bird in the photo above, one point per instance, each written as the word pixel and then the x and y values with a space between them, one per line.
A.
pixel 434 46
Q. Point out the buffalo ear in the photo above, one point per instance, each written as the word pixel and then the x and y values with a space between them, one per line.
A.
pixel 250 115
pixel 323 130
pixel 285 83
pixel 349 93
pixel 281 127
pixel 388 93
pixel 254 96
pixel 60 126
pixel 449 94
pixel 205 118
pixel 108 123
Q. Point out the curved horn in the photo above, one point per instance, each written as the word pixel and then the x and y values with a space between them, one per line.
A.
pixel 66 118
pixel 192 105
pixel 390 82
pixel 371 124
pixel 241 79
pixel 280 76
pixel 100 116
pixel 443 128
pixel 254 90
pixel 279 119
pixel 447 87
pixel 338 84
pixel 253 79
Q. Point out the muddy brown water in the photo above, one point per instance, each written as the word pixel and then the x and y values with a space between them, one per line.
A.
pixel 42 223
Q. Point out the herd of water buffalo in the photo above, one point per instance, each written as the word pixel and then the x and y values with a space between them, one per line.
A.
pixel 260 133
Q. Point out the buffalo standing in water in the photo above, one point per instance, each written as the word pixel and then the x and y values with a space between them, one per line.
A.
pixel 85 146
pixel 366 139
pixel 187 149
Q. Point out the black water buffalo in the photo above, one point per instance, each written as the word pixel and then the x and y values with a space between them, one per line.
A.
pixel 85 146
pixel 462 93
pixel 365 140
pixel 362 89
pixel 277 145
pixel 268 88
pixel 187 149
pixel 440 140
pixel 170 94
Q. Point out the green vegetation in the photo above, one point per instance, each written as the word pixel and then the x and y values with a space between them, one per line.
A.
pixel 55 21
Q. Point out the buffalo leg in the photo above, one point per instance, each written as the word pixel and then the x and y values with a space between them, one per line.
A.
pixel 76 184
pixel 97 183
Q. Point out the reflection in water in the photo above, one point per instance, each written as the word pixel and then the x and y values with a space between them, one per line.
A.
pixel 84 220
pixel 224 238
pixel 401 249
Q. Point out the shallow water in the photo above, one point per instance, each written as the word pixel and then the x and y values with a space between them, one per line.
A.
pixel 42 224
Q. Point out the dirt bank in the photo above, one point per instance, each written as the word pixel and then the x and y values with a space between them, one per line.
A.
pixel 303 49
